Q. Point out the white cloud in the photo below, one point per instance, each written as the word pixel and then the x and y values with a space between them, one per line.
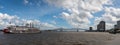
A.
pixel 53 22
pixel 47 26
pixel 6 16
pixel 5 19
pixel 55 17
pixel 80 11
pixel 111 16
pixel 89 5
pixel 113 11
pixel 26 1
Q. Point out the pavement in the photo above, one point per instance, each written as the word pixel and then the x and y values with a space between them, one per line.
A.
pixel 115 41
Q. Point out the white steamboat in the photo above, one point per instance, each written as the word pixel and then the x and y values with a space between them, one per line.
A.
pixel 21 29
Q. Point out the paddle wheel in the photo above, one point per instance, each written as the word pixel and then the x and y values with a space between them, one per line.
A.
pixel 6 31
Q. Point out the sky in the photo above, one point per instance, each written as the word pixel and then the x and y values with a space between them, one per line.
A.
pixel 48 14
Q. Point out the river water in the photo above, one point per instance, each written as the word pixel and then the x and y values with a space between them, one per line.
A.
pixel 54 38
pixel 44 38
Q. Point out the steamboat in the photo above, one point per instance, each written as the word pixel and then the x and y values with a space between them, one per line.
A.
pixel 21 29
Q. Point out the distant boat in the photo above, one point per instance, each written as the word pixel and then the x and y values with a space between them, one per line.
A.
pixel 21 29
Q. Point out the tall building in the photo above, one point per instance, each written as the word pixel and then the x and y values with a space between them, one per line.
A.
pixel 101 26
pixel 117 26
pixel 90 28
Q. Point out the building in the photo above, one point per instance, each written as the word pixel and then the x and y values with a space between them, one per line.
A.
pixel 117 26
pixel 90 28
pixel 101 26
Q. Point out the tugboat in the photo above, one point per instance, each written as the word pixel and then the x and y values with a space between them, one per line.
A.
pixel 21 29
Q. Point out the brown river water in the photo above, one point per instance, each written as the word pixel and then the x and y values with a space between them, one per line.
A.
pixel 54 38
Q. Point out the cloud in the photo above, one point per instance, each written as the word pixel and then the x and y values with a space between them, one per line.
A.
pixel 79 11
pixel 41 25
pixel 47 25
pixel 88 5
pixel 26 1
pixel 6 16
pixel 6 19
pixel 113 11
pixel 53 22
pixel 111 16
pixel 55 17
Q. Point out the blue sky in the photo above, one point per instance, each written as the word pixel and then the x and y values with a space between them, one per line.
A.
pixel 43 11
pixel 34 9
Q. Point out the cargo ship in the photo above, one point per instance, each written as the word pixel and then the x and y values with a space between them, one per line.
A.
pixel 21 29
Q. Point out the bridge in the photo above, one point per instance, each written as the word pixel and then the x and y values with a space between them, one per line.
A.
pixel 67 29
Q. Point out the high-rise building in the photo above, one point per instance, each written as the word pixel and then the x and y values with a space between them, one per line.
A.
pixel 90 28
pixel 117 26
pixel 118 23
pixel 101 26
